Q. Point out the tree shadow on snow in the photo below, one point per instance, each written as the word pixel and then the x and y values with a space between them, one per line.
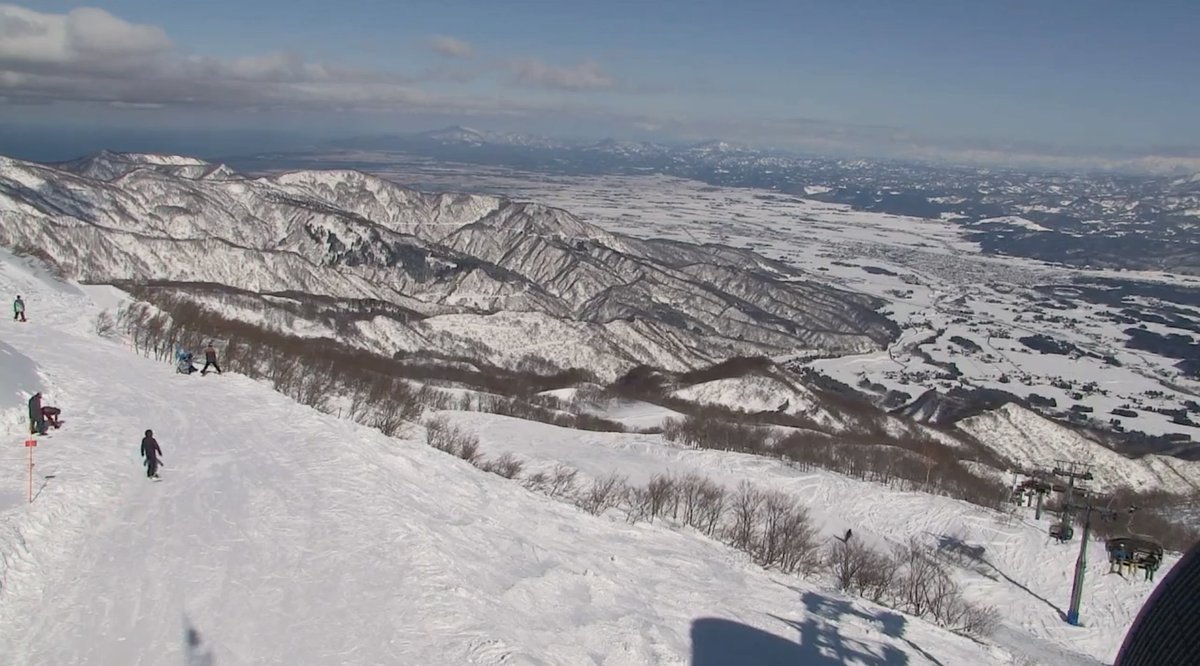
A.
pixel 719 642
pixel 194 653
pixel 977 555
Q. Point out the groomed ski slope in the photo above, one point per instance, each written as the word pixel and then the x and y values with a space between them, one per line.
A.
pixel 284 536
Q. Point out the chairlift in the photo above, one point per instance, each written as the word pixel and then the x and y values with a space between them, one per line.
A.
pixel 1061 532
pixel 1134 551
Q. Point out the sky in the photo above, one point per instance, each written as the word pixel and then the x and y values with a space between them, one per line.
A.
pixel 1073 80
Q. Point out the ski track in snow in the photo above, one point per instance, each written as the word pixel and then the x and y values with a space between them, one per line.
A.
pixel 284 536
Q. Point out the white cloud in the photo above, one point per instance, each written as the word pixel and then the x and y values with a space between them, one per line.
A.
pixel 27 36
pixel 89 55
pixel 452 47
pixel 587 75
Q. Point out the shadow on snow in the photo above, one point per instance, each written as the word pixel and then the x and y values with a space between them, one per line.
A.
pixel 720 642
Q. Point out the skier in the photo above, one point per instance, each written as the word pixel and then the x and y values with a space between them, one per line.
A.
pixel 210 358
pixel 849 533
pixel 18 309
pixel 151 452
pixel 37 422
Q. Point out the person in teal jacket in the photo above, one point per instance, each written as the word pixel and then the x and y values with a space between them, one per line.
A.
pixel 18 309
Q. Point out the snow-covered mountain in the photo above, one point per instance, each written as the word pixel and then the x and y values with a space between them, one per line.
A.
pixel 457 135
pixel 1031 442
pixel 580 295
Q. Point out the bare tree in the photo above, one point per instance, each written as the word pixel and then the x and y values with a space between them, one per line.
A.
pixel 660 492
pixel 538 482
pixel 787 538
pixel 744 505
pixel 439 435
pixel 468 448
pixel 106 326
pixel 710 506
pixel 562 481
pixel 506 465
pixel 605 493
pixel 847 561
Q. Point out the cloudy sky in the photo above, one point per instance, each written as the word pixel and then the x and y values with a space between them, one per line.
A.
pixel 1068 79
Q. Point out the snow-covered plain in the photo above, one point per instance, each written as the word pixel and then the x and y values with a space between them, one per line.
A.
pixel 280 535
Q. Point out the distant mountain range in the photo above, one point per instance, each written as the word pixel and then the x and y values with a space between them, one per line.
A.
pixel 348 255
pixel 1100 220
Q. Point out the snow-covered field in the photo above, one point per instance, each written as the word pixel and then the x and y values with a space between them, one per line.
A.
pixel 280 535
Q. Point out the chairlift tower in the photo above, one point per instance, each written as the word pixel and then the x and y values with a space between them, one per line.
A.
pixel 1071 471
pixel 1081 562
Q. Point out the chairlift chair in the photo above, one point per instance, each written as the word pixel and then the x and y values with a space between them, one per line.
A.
pixel 1062 532
pixel 1134 550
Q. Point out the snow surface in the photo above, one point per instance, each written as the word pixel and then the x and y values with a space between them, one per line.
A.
pixel 19 379
pixel 280 535
pixel 636 414
pixel 1019 569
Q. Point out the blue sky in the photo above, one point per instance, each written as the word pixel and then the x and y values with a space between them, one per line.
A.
pixel 922 78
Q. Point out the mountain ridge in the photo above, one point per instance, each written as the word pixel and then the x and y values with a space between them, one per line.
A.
pixel 347 234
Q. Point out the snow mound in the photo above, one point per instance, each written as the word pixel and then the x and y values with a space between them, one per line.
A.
pixel 753 393
pixel 760 393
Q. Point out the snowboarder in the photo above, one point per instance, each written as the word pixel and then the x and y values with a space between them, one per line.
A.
pixel 210 358
pixel 151 452
pixel 18 309
pixel 37 422
pixel 849 533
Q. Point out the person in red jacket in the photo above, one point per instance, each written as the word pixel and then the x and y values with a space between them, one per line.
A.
pixel 151 452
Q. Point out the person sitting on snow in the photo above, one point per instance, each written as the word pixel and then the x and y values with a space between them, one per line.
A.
pixel 183 362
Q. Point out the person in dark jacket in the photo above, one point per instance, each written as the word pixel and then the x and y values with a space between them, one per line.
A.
pixel 37 422
pixel 210 358
pixel 50 413
pixel 151 452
